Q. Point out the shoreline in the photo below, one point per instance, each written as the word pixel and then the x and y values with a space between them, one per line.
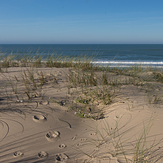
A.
pixel 44 59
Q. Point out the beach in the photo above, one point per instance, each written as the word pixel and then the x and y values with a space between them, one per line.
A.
pixel 70 114
pixel 81 81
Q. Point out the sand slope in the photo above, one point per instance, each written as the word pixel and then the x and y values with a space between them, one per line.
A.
pixel 45 129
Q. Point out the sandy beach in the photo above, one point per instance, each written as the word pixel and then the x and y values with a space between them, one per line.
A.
pixel 69 115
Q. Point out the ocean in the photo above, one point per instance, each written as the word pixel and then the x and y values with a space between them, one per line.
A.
pixel 123 55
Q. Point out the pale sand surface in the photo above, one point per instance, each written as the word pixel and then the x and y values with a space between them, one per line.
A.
pixel 41 130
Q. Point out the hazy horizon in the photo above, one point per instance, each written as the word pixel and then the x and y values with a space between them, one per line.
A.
pixel 80 44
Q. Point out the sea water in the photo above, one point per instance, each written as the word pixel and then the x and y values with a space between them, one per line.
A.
pixel 122 55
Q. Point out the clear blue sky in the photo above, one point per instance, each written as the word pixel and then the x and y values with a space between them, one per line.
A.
pixel 81 21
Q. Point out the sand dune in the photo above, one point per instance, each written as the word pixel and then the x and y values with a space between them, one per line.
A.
pixel 45 124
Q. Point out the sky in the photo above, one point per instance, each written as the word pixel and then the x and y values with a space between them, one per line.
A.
pixel 81 22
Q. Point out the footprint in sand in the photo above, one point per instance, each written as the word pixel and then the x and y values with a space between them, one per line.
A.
pixel 42 154
pixel 39 118
pixel 44 102
pixel 18 154
pixel 74 137
pixel 52 135
pixel 83 139
pixel 61 157
pixel 117 117
pixel 79 144
pixel 61 146
pixel 92 134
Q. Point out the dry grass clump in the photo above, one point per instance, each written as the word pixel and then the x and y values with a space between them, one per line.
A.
pixel 82 78
pixel 159 76
pixel 112 140
pixel 34 82
pixel 28 85
pixel 82 74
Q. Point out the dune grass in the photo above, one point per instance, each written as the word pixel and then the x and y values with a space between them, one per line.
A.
pixel 82 73
pixel 110 143
pixel 88 85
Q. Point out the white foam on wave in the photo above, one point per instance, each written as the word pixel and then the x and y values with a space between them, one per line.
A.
pixel 127 62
